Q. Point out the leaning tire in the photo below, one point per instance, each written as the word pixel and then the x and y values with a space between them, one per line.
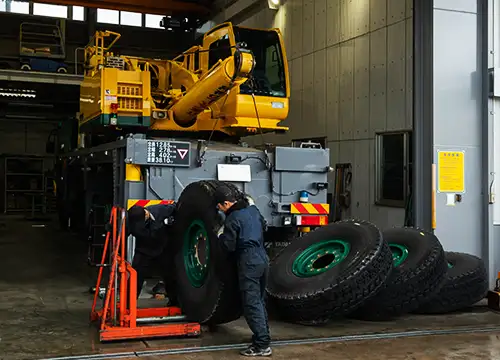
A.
pixel 419 270
pixel 206 276
pixel 329 272
pixel 465 284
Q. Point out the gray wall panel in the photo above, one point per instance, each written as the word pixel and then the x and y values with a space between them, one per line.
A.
pixel 346 90
pixel 378 14
pixel 396 73
pixel 319 24
pixel 361 90
pixel 378 81
pixel 308 27
pixel 396 11
pixel 333 27
pixel 456 99
pixel 332 91
pixel 457 124
pixel 319 91
pixel 351 76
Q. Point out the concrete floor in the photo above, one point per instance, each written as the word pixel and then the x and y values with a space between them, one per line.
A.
pixel 44 309
pixel 457 347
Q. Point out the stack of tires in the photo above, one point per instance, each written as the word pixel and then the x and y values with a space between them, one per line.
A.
pixel 353 269
pixel 348 268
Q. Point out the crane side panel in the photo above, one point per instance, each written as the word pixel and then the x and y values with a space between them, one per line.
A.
pixel 128 91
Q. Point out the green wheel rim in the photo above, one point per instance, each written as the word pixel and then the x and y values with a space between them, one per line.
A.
pixel 399 254
pixel 320 257
pixel 196 251
pixel 450 265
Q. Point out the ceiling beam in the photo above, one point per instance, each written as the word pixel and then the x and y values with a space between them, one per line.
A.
pixel 160 7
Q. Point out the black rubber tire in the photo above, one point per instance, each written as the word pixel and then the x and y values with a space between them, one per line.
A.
pixel 218 300
pixel 339 290
pixel 412 283
pixel 465 284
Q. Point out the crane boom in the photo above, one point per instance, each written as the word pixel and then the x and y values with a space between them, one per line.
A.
pixel 213 86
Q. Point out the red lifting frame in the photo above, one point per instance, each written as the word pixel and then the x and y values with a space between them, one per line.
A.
pixel 118 321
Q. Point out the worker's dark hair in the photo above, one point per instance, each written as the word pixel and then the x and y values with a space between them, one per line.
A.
pixel 136 215
pixel 224 193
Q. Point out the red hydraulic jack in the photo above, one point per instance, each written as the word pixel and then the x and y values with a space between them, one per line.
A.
pixel 119 318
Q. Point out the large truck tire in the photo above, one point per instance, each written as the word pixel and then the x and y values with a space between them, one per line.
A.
pixel 207 282
pixel 419 270
pixel 328 272
pixel 465 284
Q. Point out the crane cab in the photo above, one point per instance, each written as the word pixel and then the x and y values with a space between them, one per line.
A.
pixel 264 96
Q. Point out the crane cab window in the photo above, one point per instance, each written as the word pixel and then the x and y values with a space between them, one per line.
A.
pixel 219 50
pixel 269 72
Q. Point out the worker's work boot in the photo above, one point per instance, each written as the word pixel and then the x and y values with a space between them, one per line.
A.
pixel 253 350
pixel 159 290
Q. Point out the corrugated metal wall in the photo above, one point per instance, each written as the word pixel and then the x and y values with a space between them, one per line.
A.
pixel 351 75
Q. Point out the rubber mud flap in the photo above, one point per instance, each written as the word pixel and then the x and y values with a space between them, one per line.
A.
pixel 466 283
pixel 207 282
pixel 419 271
pixel 329 272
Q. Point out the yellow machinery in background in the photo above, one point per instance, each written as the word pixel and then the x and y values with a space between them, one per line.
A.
pixel 235 83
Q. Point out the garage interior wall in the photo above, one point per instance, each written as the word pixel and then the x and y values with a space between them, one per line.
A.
pixel 351 74
pixel 24 137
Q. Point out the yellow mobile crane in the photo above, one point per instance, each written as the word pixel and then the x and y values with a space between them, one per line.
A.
pixel 158 131
pixel 234 83
pixel 156 113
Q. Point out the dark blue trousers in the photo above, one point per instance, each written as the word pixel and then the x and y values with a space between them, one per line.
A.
pixel 253 268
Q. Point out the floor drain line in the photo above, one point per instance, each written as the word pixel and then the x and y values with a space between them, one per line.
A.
pixel 343 338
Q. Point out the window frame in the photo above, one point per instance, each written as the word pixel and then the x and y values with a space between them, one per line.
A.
pixel 109 12
pixel 216 48
pixel 53 6
pixel 141 23
pixel 148 18
pixel 71 13
pixel 379 161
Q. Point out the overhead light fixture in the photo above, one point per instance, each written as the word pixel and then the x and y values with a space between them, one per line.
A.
pixel 27 104
pixel 25 117
pixel 25 93
pixel 274 4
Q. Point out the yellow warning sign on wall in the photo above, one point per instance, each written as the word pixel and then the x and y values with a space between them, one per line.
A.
pixel 451 171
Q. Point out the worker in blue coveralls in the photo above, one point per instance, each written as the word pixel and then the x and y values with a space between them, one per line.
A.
pixel 243 234
pixel 150 227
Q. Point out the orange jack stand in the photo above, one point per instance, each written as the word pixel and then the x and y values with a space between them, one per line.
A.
pixel 119 318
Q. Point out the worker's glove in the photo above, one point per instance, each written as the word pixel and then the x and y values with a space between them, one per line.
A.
pixel 220 218
pixel 220 231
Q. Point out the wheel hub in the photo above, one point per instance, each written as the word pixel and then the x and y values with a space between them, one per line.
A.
pixel 399 254
pixel 196 251
pixel 320 257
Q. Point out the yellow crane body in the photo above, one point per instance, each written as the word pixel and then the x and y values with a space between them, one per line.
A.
pixel 236 83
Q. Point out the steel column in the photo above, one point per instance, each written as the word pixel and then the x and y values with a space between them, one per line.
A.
pixel 423 121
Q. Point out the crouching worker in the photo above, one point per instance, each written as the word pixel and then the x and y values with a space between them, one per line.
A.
pixel 150 227
pixel 243 234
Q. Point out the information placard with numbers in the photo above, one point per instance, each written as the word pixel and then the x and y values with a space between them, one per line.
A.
pixel 168 153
